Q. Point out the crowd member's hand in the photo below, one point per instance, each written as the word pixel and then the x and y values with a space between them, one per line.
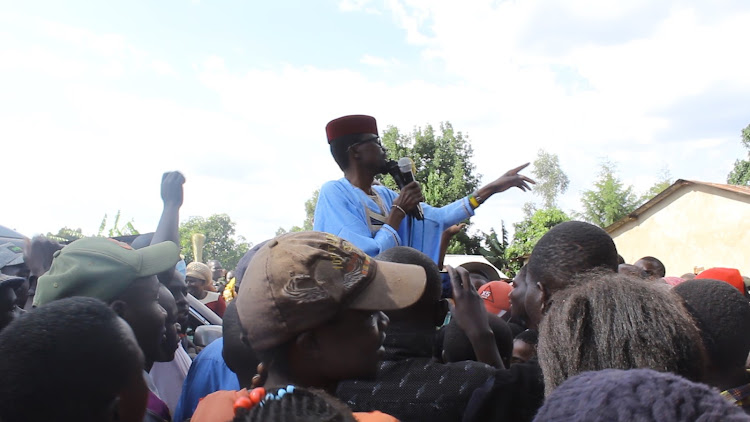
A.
pixel 469 310
pixel 453 230
pixel 409 197
pixel 511 179
pixel 471 316
pixel 259 379
pixel 171 187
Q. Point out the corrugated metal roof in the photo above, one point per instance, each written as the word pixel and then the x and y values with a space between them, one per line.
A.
pixel 743 190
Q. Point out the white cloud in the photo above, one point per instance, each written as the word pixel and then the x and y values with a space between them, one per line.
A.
pixel 354 5
pixel 521 100
pixel 163 68
pixel 378 61
pixel 256 148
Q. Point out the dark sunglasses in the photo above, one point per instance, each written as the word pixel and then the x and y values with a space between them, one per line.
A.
pixel 376 140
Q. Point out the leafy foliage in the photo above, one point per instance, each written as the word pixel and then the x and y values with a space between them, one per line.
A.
pixel 665 181
pixel 221 242
pixel 442 160
pixel 740 174
pixel 496 250
pixel 444 169
pixel 529 231
pixel 550 179
pixel 609 200
pixel 65 235
pixel 115 231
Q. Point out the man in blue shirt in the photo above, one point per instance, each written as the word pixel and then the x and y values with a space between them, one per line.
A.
pixel 372 217
pixel 208 373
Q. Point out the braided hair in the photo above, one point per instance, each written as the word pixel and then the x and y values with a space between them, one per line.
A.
pixel 301 404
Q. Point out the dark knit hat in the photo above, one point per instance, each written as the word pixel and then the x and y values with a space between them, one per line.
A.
pixel 636 395
pixel 351 125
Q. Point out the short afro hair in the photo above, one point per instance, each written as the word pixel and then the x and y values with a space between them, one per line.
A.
pixel 659 269
pixel 528 337
pixel 72 354
pixel 568 249
pixel 640 395
pixel 723 315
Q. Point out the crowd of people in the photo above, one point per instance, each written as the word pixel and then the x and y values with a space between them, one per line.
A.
pixel 357 321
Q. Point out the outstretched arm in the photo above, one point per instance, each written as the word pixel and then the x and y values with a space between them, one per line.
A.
pixel 172 195
pixel 511 178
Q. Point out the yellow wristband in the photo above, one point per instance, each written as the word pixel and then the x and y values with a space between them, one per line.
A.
pixel 473 201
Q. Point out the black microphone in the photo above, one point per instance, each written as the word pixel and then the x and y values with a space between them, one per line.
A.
pixel 395 172
pixel 406 168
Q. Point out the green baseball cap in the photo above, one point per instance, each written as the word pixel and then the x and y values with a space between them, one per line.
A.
pixel 102 268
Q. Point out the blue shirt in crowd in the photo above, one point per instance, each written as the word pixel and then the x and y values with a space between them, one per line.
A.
pixel 208 373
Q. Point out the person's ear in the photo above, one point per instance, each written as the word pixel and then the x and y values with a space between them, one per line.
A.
pixel 441 310
pixel 353 154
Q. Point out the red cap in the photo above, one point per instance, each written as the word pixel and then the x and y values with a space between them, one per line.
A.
pixel 495 295
pixel 350 125
pixel 730 275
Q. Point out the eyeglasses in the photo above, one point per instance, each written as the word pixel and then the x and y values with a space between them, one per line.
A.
pixel 376 140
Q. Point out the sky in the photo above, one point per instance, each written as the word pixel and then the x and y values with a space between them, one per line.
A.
pixel 100 98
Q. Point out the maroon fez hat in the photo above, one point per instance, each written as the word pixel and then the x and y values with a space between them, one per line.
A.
pixel 350 125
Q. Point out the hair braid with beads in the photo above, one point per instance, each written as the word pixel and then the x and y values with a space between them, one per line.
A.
pixel 301 405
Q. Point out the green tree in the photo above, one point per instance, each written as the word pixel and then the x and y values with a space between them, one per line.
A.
pixel 65 235
pixel 609 200
pixel 126 230
pixel 740 174
pixel 465 244
pixel 528 232
pixel 443 167
pixel 221 241
pixel 551 181
pixel 665 181
pixel 495 249
pixel 442 160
